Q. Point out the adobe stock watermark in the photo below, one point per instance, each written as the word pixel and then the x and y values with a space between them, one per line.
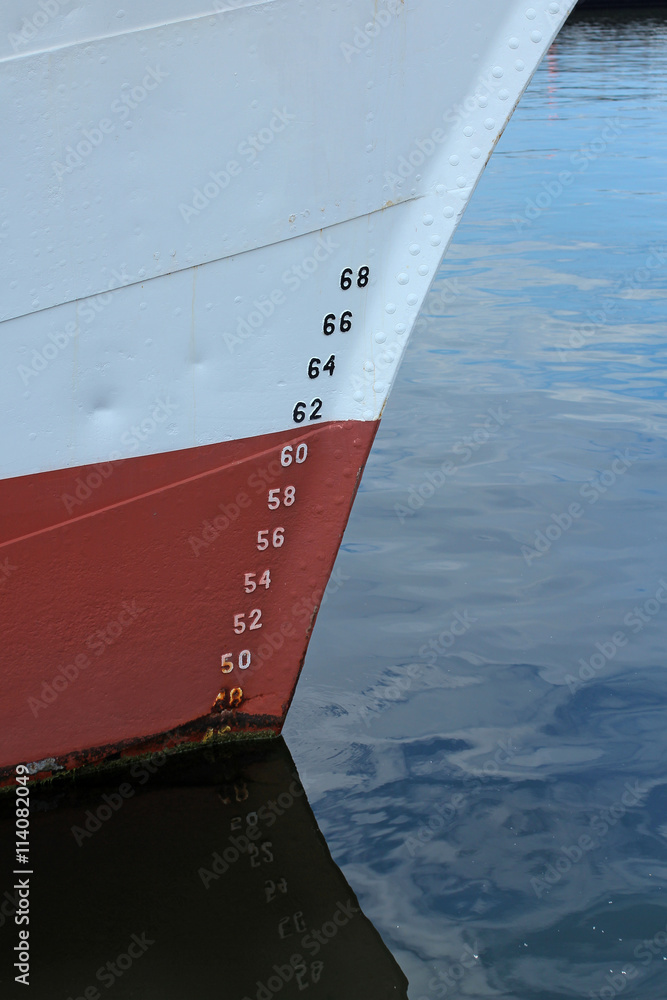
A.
pixel 249 149
pixel 382 367
pixel 94 820
pixel 600 318
pixel 464 449
pixel 224 6
pixel 259 481
pixel 97 642
pixel 581 159
pixel 451 977
pixel 9 905
pixel 31 26
pixel 445 293
pixel 247 843
pixel 383 695
pixel 141 771
pixel 446 811
pixel 645 953
pixel 363 37
pixel 458 627
pixel 423 148
pixel 6 570
pixel 297 967
pixel 600 823
pixel 87 310
pixel 211 529
pixel 115 969
pixel 292 279
pixel 130 99
pixel 302 612
pixel 591 491
pixel 636 620
pixel 131 440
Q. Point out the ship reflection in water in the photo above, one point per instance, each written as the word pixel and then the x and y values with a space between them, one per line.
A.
pixel 203 874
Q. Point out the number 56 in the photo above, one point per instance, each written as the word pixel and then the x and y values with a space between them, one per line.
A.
pixel 277 538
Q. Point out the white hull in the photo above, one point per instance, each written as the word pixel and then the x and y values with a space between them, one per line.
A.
pixel 339 138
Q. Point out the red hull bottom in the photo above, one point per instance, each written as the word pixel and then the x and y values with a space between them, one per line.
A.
pixel 167 598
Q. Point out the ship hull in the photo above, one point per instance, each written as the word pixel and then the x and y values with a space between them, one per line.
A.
pixel 218 226
pixel 161 560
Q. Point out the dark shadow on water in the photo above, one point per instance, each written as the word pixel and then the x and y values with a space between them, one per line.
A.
pixel 202 874
pixel 620 9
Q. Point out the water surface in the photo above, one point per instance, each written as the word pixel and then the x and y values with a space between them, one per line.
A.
pixel 481 722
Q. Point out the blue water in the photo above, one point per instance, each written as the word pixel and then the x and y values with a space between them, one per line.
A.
pixel 490 659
